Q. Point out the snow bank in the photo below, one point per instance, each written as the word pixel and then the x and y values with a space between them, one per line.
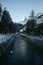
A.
pixel 4 38
pixel 33 37
pixel 36 38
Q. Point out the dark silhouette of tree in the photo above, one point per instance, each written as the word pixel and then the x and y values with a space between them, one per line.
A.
pixel 32 15
pixel 31 23
pixel 6 16
pixel 41 28
pixel 30 26
pixel 0 11
pixel 7 23
pixel 6 19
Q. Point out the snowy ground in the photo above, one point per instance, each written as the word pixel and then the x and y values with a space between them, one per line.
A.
pixel 4 38
pixel 36 37
pixel 33 37
pixel 37 41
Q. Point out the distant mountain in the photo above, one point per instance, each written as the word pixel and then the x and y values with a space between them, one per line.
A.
pixel 24 21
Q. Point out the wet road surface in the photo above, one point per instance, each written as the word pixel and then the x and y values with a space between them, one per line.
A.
pixel 24 53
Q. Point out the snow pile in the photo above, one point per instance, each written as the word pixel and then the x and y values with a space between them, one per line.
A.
pixel 4 38
pixel 36 38
pixel 33 37
pixel 24 29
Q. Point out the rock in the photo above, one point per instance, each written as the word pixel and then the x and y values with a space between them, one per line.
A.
pixel 11 52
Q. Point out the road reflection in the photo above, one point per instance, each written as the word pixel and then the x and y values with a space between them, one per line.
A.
pixel 24 53
pixel 20 47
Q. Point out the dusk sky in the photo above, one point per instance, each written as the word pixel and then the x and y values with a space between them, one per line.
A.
pixel 20 8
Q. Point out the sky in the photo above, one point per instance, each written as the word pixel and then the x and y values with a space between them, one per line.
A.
pixel 20 8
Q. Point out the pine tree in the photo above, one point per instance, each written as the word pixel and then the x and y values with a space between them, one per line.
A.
pixel 6 16
pixel 31 23
pixel 7 23
pixel 0 11
pixel 6 20
pixel 32 15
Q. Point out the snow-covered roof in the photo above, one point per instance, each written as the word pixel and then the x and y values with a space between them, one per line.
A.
pixel 39 14
pixel 39 18
pixel 39 21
